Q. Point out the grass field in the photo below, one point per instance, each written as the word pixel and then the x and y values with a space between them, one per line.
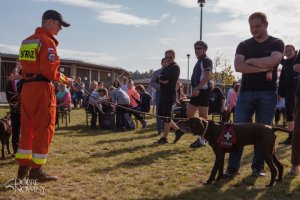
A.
pixel 96 164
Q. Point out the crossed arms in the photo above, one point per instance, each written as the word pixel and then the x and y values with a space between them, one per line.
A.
pixel 255 65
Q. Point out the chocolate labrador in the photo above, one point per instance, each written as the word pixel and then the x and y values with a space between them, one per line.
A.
pixel 259 135
pixel 5 133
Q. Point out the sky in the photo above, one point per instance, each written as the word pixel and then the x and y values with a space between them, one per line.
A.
pixel 134 34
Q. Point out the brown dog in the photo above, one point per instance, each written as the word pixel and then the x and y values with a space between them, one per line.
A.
pixel 5 133
pixel 261 136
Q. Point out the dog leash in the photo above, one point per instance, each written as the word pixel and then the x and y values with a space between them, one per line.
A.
pixel 126 108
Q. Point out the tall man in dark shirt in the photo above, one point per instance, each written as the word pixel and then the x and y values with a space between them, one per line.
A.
pixel 257 59
pixel 168 79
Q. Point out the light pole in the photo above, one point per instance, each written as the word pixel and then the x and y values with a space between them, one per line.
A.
pixel 188 76
pixel 188 57
pixel 201 4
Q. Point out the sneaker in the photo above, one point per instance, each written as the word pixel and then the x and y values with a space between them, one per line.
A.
pixel 144 123
pixel 258 173
pixel 197 144
pixel 178 134
pixel 162 140
pixel 41 175
pixel 288 141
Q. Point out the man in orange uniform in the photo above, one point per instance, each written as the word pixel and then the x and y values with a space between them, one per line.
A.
pixel 40 63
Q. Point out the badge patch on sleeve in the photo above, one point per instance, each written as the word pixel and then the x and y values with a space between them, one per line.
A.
pixel 52 57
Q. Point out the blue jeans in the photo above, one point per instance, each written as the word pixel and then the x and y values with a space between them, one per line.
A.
pixel 159 121
pixel 263 105
pixel 76 96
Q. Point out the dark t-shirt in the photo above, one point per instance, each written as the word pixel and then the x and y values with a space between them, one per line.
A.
pixel 170 73
pixel 297 61
pixel 287 80
pixel 202 65
pixel 252 49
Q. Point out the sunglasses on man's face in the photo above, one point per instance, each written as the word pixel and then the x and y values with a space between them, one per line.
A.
pixel 169 57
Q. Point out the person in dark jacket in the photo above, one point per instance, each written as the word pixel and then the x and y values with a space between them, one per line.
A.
pixel 168 79
pixel 143 104
pixel 287 87
pixel 13 92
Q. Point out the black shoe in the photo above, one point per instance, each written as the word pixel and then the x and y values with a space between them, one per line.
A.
pixel 288 141
pixel 230 173
pixel 197 144
pixel 162 140
pixel 41 175
pixel 23 172
pixel 178 134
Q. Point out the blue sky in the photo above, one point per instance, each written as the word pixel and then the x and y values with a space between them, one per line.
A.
pixel 133 34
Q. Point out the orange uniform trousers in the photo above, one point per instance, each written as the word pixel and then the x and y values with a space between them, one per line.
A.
pixel 38 111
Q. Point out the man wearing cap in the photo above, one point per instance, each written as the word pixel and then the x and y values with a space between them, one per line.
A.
pixel 201 91
pixel 40 63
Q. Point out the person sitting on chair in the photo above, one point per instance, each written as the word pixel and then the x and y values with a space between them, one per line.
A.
pixel 180 105
pixel 143 104
pixel 63 99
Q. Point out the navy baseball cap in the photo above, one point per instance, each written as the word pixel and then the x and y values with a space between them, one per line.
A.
pixel 53 14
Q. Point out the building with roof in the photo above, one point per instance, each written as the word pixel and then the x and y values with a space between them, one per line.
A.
pixel 87 71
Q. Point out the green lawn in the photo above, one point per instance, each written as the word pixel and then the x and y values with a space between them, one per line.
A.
pixel 106 165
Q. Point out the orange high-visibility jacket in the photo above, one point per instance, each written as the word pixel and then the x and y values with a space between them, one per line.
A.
pixel 38 56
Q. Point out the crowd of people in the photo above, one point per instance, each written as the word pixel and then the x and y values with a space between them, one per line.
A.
pixel 257 59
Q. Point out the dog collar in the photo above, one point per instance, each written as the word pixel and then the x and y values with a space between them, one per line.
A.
pixel 205 129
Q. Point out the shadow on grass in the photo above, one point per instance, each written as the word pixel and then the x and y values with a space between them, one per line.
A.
pixel 120 151
pixel 242 190
pixel 140 137
pixel 282 190
pixel 214 192
pixel 149 128
pixel 81 131
pixel 141 161
pixel 7 162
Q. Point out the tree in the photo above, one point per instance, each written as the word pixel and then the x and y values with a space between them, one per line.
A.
pixel 222 73
pixel 137 75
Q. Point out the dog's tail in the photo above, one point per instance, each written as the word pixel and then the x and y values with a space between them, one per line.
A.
pixel 281 129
